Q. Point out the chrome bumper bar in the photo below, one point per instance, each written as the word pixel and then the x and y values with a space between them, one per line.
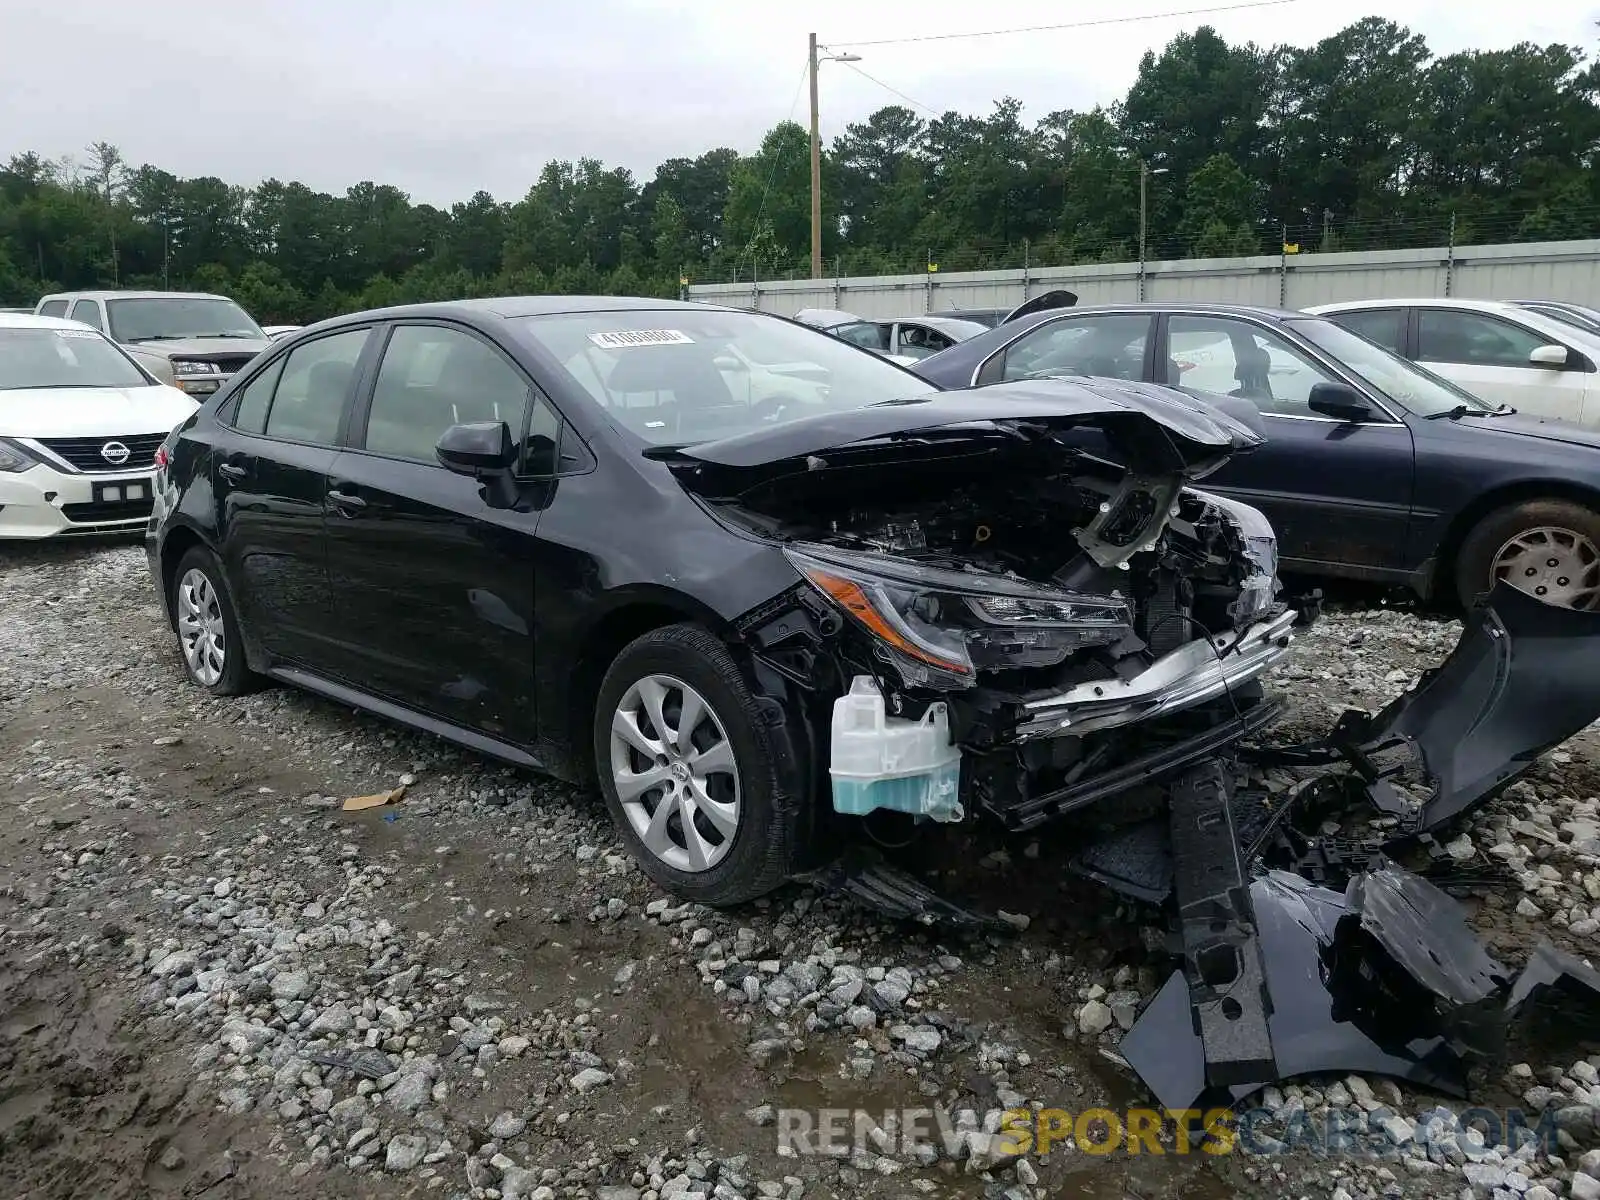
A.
pixel 1195 672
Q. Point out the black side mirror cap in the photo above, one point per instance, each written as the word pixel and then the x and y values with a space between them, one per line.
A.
pixel 480 449
pixel 1339 401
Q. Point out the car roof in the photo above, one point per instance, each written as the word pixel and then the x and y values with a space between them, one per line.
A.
pixel 511 307
pixel 29 321
pixel 1421 302
pixel 133 295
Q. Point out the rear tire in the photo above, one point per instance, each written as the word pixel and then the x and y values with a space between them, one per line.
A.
pixel 208 628
pixel 713 810
pixel 1547 548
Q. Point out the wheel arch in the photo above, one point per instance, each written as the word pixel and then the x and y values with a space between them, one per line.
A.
pixel 1504 496
pixel 179 540
pixel 631 615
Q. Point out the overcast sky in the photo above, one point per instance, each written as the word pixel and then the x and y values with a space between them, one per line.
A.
pixel 443 98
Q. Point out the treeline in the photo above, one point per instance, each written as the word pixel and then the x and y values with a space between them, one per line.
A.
pixel 1365 140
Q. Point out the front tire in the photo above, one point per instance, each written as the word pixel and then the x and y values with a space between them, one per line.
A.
pixel 701 788
pixel 1547 548
pixel 208 628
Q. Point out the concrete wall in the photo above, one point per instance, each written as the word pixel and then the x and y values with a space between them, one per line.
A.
pixel 1543 270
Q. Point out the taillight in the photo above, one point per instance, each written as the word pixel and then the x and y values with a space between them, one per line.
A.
pixel 162 458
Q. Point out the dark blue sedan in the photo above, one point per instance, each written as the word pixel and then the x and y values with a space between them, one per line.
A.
pixel 1373 469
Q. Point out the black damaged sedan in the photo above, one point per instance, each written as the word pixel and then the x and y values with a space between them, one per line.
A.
pixel 756 582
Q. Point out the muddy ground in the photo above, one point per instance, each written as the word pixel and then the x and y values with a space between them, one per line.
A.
pixel 215 982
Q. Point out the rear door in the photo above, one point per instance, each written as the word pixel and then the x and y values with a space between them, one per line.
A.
pixel 432 588
pixel 1488 355
pixel 269 477
pixel 1338 493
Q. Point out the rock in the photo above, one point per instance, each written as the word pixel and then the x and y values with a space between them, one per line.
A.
pixel 1585 1187
pixel 1018 921
pixel 291 985
pixel 891 993
pixel 335 1019
pixel 514 1046
pixel 179 962
pixel 617 1192
pixel 1094 1017
pixel 506 1126
pixel 172 1158
pixel 924 1039
pixel 1527 908
pixel 625 973
pixel 1484 1177
pixel 762 1114
pixel 517 1183
pixel 588 1079
pixel 861 1017
pixel 410 1092
pixel 404 1152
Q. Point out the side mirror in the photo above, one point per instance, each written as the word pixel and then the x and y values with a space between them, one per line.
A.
pixel 1549 356
pixel 1339 401
pixel 481 449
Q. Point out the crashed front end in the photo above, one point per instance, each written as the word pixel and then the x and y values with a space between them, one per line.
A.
pixel 1042 583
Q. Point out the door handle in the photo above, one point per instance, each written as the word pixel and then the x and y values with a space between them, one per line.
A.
pixel 346 501
pixel 232 472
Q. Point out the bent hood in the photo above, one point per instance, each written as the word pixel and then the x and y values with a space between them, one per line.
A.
pixel 1156 429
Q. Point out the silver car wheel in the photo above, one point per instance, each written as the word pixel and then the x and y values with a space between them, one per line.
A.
pixel 1559 566
pixel 675 774
pixel 201 632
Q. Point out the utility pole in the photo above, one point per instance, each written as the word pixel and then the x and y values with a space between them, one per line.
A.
pixel 813 61
pixel 816 171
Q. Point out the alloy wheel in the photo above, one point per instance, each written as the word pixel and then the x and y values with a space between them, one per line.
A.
pixel 201 631
pixel 675 774
pixel 1559 566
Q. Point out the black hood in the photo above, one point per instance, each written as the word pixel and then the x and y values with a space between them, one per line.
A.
pixel 1157 430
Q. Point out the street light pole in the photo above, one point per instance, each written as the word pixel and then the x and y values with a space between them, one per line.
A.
pixel 816 171
pixel 1144 207
pixel 1144 176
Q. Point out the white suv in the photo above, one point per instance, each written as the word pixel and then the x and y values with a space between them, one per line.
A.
pixel 80 424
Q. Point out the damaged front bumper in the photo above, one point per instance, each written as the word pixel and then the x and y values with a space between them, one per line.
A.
pixel 1201 670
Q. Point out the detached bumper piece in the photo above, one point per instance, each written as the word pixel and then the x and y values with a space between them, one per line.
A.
pixel 1383 979
pixel 1523 679
pixel 1381 972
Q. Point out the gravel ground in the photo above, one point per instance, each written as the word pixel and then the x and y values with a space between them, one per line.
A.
pixel 215 981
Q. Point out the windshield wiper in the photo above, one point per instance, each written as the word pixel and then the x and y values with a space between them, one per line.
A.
pixel 1462 410
pixel 157 337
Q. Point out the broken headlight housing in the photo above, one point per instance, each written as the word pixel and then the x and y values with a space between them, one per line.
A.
pixel 938 627
pixel 1260 588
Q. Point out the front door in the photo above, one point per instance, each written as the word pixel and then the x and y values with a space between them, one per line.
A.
pixel 432 588
pixel 1338 493
pixel 1489 357
pixel 269 477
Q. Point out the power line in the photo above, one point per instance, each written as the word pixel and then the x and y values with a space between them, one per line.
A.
pixel 1187 12
pixel 891 90
pixel 777 161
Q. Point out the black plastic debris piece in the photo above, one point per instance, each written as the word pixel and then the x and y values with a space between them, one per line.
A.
pixel 862 874
pixel 1135 861
pixel 1558 988
pixel 1222 960
pixel 366 1063
pixel 1404 963
pixel 1295 923
pixel 1523 679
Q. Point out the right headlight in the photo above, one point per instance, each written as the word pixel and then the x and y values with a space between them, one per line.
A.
pixel 938 627
pixel 14 458
pixel 181 366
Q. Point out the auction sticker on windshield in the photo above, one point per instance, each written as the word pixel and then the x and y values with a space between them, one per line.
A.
pixel 624 339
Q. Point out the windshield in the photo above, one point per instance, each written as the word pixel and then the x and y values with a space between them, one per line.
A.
pixel 157 318
pixel 678 376
pixel 1404 382
pixel 35 357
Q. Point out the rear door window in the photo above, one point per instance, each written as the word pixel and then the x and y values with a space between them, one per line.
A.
pixel 309 401
pixel 1386 326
